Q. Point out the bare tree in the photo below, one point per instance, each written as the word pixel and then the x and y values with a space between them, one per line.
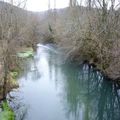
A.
pixel 72 3
pixel 49 5
pixel 9 35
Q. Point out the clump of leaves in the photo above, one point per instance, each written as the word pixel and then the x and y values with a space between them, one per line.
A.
pixel 13 79
pixel 14 74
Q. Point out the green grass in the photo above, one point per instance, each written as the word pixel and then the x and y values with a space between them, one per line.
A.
pixel 7 113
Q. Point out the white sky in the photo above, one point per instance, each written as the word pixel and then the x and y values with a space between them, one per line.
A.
pixel 41 5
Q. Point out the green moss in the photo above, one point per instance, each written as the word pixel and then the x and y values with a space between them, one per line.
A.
pixel 25 54
pixel 7 113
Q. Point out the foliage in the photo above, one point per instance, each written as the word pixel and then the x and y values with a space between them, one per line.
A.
pixel 14 74
pixel 7 113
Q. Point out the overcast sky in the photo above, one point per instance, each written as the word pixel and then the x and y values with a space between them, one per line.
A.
pixel 41 5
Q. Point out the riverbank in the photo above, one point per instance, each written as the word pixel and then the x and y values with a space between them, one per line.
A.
pixel 76 56
pixel 22 54
pixel 90 35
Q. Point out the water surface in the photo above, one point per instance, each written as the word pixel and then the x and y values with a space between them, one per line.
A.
pixel 53 90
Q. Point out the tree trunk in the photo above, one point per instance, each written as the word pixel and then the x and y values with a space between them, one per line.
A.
pixel 48 4
pixel 5 79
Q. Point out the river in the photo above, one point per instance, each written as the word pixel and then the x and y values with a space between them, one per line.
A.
pixel 51 89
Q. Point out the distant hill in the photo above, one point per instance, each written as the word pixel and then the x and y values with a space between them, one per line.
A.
pixel 59 20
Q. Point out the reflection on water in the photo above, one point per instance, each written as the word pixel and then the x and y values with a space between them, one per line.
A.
pixel 88 97
pixel 51 90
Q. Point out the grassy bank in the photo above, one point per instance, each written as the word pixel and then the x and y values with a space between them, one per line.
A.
pixel 6 113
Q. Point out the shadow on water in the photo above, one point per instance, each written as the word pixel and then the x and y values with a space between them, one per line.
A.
pixel 52 90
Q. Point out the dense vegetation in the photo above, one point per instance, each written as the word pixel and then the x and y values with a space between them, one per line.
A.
pixel 85 33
